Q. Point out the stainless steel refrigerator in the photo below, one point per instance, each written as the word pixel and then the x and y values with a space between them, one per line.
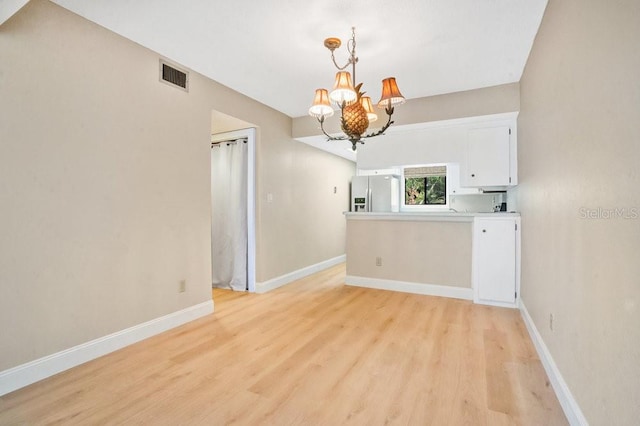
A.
pixel 377 193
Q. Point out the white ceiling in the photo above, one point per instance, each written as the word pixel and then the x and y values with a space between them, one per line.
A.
pixel 273 52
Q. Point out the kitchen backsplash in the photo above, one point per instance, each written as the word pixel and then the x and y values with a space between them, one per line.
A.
pixel 477 202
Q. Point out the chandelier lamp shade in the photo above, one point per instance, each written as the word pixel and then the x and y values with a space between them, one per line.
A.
pixel 343 89
pixel 368 107
pixel 321 106
pixel 356 109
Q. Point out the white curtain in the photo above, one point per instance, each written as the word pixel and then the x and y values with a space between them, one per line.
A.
pixel 229 214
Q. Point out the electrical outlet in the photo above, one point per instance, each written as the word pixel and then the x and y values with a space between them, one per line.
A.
pixel 378 261
pixel 182 286
pixel 551 322
pixel 335 189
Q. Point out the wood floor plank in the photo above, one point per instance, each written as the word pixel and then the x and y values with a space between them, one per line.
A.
pixel 314 352
pixel 500 394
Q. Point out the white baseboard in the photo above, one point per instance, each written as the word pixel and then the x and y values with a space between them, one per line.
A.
pixel 408 287
pixel 273 283
pixel 31 372
pixel 567 401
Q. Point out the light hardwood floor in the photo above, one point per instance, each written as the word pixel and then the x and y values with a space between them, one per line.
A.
pixel 315 352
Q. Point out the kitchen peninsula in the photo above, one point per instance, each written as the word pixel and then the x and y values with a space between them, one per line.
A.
pixel 470 256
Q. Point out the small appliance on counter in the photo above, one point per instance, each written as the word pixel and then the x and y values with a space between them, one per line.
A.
pixel 502 207
pixel 376 193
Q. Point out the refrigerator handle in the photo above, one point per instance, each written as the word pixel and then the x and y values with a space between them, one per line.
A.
pixel 369 199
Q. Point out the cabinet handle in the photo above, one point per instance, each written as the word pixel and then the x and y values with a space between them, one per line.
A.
pixel 473 175
pixel 484 230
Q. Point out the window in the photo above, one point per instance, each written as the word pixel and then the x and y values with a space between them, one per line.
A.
pixel 425 186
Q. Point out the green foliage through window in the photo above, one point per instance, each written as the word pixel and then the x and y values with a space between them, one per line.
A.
pixel 430 190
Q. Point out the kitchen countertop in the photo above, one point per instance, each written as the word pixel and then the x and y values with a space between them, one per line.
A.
pixel 444 216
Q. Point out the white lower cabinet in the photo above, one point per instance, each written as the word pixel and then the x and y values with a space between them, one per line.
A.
pixel 496 243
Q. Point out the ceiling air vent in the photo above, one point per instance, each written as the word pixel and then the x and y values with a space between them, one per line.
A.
pixel 170 74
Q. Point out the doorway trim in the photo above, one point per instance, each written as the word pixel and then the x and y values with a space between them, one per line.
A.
pixel 250 134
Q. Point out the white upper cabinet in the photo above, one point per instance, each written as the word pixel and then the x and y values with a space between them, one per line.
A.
pixel 485 147
pixel 490 158
pixel 453 182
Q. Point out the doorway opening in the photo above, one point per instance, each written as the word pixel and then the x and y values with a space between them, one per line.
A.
pixel 233 239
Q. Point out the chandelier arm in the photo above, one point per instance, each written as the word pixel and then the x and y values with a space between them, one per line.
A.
pixel 329 137
pixel 389 111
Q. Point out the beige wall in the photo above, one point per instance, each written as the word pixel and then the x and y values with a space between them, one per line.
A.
pixel 418 252
pixel 9 7
pixel 104 186
pixel 222 123
pixel 470 103
pixel 304 224
pixel 578 149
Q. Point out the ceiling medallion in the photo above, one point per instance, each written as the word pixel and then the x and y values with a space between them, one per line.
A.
pixel 357 111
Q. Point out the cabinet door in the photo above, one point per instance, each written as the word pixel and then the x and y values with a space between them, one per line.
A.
pixel 488 157
pixel 495 261
pixel 453 182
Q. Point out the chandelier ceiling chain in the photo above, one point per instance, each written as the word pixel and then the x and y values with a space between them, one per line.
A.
pixel 356 109
pixel 333 43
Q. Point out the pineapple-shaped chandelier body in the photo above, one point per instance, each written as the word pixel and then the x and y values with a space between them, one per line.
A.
pixel 354 117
